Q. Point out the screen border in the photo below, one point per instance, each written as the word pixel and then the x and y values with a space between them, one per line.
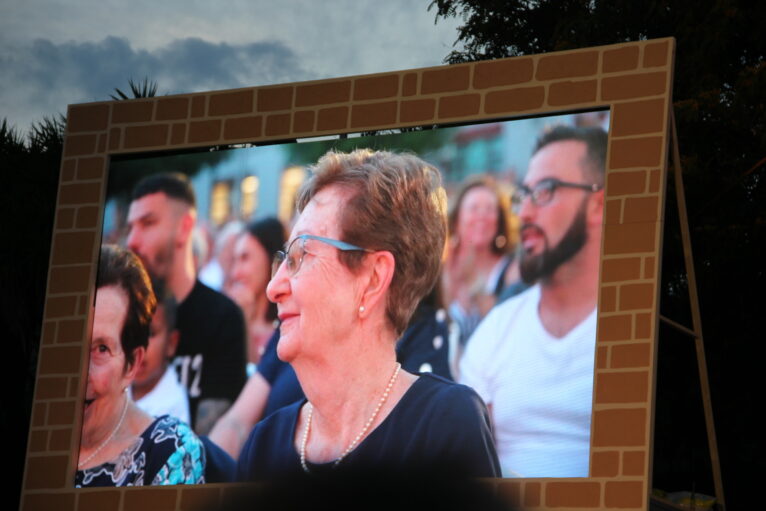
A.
pixel 633 80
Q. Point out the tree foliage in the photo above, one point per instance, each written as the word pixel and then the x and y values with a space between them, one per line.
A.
pixel 29 165
pixel 11 141
pixel 143 89
pixel 719 91
pixel 47 136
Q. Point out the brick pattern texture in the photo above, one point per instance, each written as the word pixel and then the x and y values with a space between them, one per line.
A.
pixel 634 80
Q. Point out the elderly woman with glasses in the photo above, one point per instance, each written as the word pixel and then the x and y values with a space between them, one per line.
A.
pixel 365 249
pixel 120 444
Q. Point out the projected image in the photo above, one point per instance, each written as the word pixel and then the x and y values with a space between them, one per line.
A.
pixel 385 300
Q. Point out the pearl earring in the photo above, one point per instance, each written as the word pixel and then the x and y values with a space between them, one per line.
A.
pixel 361 308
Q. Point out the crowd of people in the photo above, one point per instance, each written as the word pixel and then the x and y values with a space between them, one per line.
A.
pixel 380 329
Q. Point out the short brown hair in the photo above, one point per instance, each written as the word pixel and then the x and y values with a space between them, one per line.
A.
pixel 397 204
pixel 498 246
pixel 122 268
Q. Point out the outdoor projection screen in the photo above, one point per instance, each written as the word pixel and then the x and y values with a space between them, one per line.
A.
pixel 632 81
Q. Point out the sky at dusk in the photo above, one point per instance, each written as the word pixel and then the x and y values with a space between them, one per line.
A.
pixel 54 52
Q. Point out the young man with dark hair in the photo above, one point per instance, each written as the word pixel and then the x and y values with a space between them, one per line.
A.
pixel 532 357
pixel 210 359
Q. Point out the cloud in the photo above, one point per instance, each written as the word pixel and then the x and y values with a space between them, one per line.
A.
pixel 42 77
pixel 54 53
pixel 195 65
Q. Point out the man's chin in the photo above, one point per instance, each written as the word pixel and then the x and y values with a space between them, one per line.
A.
pixel 531 268
pixel 155 273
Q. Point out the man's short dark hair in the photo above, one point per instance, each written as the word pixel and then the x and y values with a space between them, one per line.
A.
pixel 122 268
pixel 174 185
pixel 595 140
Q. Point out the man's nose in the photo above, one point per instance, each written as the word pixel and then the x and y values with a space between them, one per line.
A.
pixel 526 209
pixel 132 240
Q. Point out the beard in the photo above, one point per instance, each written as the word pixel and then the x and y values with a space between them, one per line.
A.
pixel 542 266
pixel 158 265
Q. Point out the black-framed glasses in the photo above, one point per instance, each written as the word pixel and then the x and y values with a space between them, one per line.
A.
pixel 293 255
pixel 544 191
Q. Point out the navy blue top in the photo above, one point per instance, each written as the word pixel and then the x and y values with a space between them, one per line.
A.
pixel 219 466
pixel 436 423
pixel 423 347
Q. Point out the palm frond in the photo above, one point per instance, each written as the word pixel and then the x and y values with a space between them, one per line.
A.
pixel 11 140
pixel 47 135
pixel 143 89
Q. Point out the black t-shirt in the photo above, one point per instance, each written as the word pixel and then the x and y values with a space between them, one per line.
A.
pixel 436 423
pixel 422 348
pixel 210 359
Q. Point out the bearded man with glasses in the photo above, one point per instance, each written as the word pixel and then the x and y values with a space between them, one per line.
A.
pixel 532 357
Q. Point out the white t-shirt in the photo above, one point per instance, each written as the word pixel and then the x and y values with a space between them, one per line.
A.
pixel 167 397
pixel 539 388
pixel 212 275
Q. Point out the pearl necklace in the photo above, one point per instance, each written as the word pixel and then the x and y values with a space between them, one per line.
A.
pixel 109 438
pixel 356 440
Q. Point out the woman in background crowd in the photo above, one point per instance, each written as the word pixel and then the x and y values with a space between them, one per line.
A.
pixel 480 260
pixel 120 444
pixel 216 273
pixel 250 273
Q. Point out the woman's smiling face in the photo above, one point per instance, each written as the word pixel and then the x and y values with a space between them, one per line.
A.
pixel 319 303
pixel 107 375
pixel 477 217
pixel 251 265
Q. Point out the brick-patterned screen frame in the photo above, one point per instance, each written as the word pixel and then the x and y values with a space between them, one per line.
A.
pixel 634 80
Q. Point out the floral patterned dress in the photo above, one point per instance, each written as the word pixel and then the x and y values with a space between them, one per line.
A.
pixel 167 452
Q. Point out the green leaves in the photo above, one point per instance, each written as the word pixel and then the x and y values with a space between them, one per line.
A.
pixel 143 89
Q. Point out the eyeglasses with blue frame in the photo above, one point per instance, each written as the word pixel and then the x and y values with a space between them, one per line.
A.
pixel 293 255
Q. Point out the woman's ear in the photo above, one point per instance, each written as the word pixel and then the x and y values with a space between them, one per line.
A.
pixel 380 273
